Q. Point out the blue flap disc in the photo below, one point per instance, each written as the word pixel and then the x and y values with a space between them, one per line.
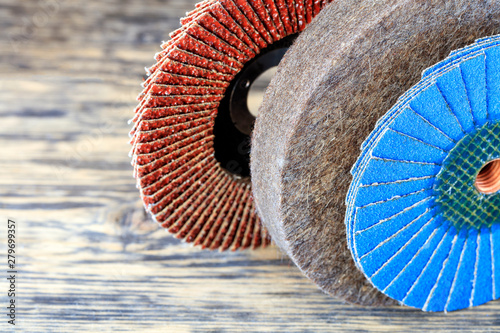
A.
pixel 423 210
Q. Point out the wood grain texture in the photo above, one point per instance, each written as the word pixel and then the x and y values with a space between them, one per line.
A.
pixel 88 261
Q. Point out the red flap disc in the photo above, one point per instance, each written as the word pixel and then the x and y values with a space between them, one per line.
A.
pixel 190 135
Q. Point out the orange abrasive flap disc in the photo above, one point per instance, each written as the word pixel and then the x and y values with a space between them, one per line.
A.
pixel 341 75
pixel 190 133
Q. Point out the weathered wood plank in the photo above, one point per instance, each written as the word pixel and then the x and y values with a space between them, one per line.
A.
pixel 88 261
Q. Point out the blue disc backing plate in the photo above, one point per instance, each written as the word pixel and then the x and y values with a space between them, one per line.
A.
pixel 417 226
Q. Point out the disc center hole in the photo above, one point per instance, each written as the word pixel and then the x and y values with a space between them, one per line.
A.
pixel 488 179
pixel 257 90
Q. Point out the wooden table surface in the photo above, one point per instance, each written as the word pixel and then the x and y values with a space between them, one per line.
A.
pixel 87 259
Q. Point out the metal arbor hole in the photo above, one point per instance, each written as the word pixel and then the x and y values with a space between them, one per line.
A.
pixel 257 90
pixel 237 110
pixel 488 179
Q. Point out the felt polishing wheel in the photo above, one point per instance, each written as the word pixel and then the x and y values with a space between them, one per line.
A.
pixel 348 69
pixel 190 132
pixel 423 214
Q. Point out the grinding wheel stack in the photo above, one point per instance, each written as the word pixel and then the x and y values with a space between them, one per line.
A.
pixel 182 185
pixel 343 73
pixel 348 68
